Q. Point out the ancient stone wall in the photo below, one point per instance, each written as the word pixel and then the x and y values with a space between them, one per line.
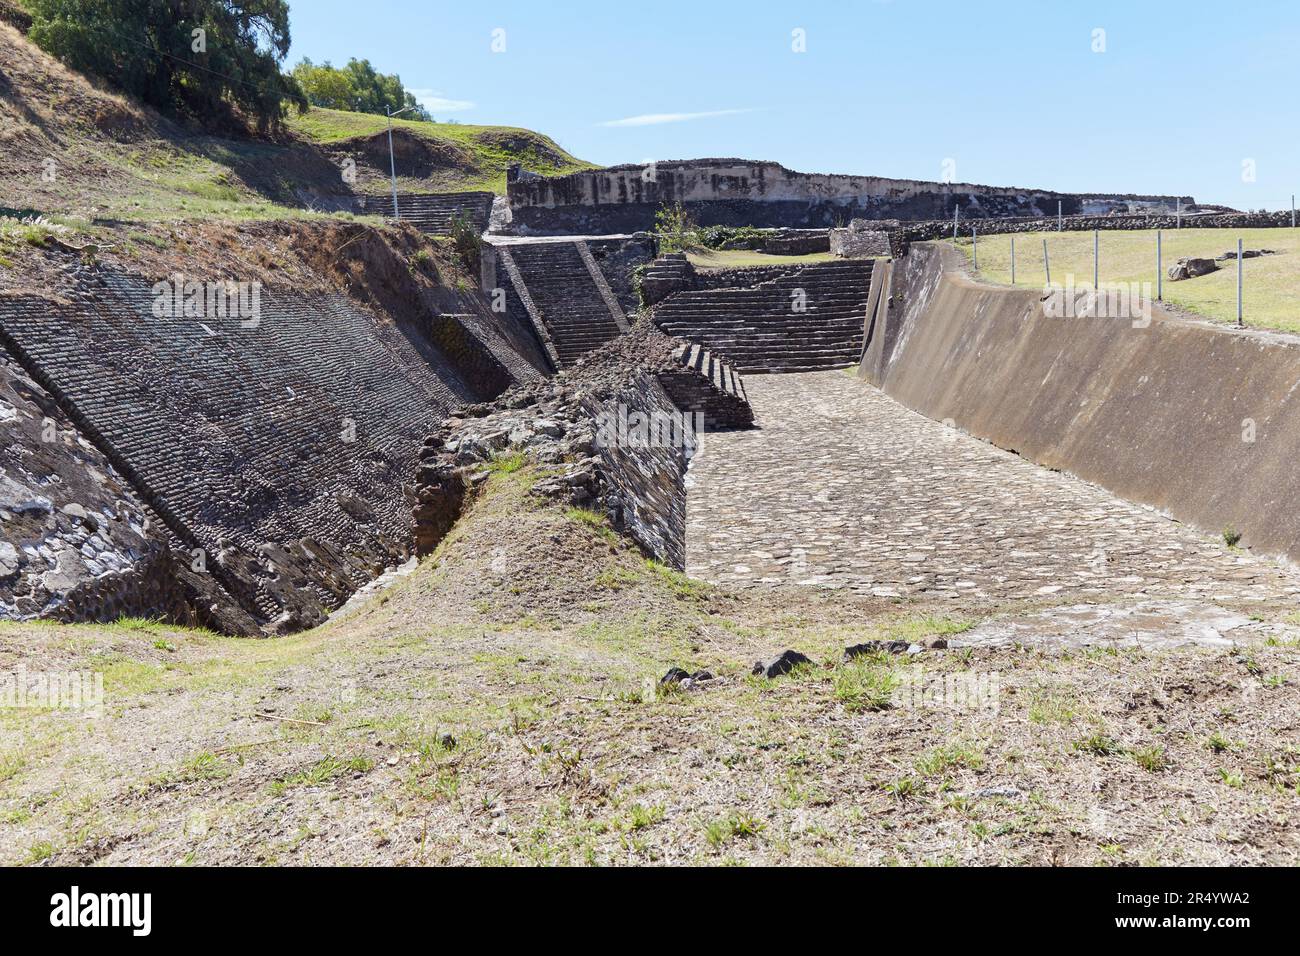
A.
pixel 1196 420
pixel 735 192
pixel 277 448
pixel 811 318
pixel 856 242
pixel 432 213
pixel 67 518
pixel 646 479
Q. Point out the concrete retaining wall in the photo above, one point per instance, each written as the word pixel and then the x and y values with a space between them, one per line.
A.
pixel 1163 414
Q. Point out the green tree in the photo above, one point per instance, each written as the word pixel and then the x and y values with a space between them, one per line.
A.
pixel 676 229
pixel 357 87
pixel 196 57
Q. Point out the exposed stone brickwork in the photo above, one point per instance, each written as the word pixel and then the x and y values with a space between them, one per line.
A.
pixel 738 192
pixel 646 479
pixel 858 241
pixel 432 213
pixel 611 434
pixel 279 451
pixel 707 384
pixel 812 318
pixel 573 294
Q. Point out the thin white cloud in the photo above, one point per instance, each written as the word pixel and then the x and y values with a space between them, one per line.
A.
pixel 435 102
pixel 656 119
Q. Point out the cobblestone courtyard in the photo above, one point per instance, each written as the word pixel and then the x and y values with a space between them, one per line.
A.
pixel 842 487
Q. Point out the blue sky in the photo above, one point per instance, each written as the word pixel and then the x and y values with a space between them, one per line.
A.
pixel 1012 92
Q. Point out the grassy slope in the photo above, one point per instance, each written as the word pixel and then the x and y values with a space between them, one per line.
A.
pixel 490 149
pixel 115 159
pixel 530 637
pixel 1271 283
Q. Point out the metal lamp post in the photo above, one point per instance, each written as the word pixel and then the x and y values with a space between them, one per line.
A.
pixel 392 162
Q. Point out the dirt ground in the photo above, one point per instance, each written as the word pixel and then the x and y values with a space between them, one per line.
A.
pixel 498 705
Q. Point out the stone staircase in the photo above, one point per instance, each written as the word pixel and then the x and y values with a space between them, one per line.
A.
pixel 569 295
pixel 667 275
pixel 704 383
pixel 759 329
pixel 432 213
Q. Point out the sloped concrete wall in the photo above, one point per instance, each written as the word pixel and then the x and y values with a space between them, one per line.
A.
pixel 1200 421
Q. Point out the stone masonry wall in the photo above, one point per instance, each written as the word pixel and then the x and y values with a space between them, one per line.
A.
pixel 67 518
pixel 646 480
pixel 279 451
pixel 622 199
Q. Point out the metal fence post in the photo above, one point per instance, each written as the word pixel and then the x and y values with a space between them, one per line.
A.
pixel 954 223
pixel 1160 275
pixel 1239 262
pixel 1013 260
pixel 1047 266
pixel 975 246
pixel 1096 242
pixel 1058 215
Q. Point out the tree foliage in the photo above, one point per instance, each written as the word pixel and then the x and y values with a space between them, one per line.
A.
pixel 195 57
pixel 356 87
pixel 676 230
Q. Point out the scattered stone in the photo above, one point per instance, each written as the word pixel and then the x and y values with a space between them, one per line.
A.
pixel 1245 254
pixel 939 644
pixel 447 742
pixel 20 499
pixel 914 649
pixel 675 675
pixel 787 662
pixel 875 647
pixel 1187 268
pixel 678 676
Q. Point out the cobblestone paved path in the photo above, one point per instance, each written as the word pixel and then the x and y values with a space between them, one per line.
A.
pixel 843 487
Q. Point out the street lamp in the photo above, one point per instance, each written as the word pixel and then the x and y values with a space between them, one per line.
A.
pixel 392 163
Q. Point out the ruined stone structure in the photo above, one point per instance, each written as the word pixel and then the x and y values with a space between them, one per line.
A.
pixel 572 296
pixel 809 318
pixel 79 543
pixel 433 212
pixel 621 428
pixel 273 450
pixel 736 192
pixel 859 240
pixel 250 477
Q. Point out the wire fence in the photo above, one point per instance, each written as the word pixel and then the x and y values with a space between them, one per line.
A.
pixel 1017 262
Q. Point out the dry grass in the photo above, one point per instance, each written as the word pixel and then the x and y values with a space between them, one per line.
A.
pixel 534 641
pixel 1271 284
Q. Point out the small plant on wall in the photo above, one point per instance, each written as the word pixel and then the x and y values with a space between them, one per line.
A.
pixel 467 242
pixel 676 230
